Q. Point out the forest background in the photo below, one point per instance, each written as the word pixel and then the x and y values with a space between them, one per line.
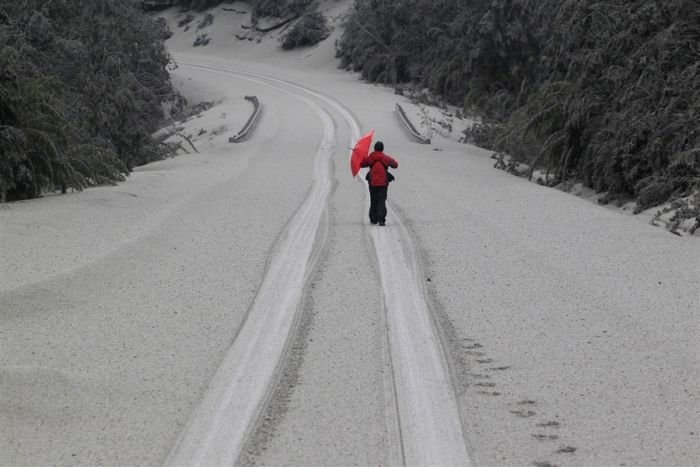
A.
pixel 602 93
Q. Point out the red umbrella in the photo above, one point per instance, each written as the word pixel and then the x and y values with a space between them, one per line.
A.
pixel 360 151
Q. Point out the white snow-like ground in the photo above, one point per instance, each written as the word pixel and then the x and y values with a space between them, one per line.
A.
pixel 570 332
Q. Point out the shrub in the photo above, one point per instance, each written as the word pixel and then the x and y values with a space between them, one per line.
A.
pixel 82 88
pixel 309 30
pixel 208 20
pixel 653 193
pixel 684 177
pixel 186 20
pixel 281 8
pixel 165 32
pixel 199 5
pixel 201 40
pixel 690 210
pixel 482 135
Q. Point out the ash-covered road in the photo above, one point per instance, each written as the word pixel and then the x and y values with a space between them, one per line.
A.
pixel 420 405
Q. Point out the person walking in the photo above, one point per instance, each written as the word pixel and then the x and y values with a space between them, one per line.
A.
pixel 378 179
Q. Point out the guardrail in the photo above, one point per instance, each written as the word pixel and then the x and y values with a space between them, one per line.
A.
pixel 250 124
pixel 404 118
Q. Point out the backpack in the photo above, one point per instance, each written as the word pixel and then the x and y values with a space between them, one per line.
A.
pixel 389 176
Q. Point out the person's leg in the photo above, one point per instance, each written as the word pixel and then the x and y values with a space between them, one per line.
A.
pixel 373 205
pixel 381 204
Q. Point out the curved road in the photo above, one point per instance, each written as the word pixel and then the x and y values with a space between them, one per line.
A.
pixel 430 431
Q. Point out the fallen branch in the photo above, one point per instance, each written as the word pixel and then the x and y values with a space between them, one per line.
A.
pixel 182 135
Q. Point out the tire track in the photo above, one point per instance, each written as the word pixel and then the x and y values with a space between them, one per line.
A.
pixel 428 416
pixel 218 429
pixel 431 428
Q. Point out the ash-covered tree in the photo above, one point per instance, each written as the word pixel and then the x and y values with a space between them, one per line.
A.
pixel 309 30
pixel 261 8
pixel 617 99
pixel 81 89
pixel 607 92
pixel 281 8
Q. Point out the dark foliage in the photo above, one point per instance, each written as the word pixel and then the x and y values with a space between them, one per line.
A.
pixel 605 92
pixel 198 5
pixel 201 40
pixel 207 21
pixel 653 192
pixel 281 8
pixel 156 5
pixel 309 30
pixel 261 8
pixel 81 87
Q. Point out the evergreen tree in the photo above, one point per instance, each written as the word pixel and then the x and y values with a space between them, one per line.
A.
pixel 606 92
pixel 81 87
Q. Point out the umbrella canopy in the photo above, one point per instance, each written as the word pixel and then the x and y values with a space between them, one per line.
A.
pixel 360 151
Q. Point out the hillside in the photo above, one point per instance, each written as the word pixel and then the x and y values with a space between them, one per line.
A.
pixel 82 89
pixel 601 93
